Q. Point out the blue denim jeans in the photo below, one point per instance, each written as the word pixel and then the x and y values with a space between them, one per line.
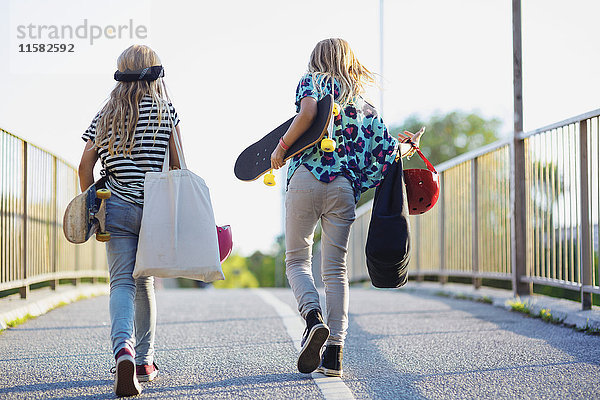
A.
pixel 132 301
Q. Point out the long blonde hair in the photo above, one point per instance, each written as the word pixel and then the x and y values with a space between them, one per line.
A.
pixel 119 116
pixel 333 58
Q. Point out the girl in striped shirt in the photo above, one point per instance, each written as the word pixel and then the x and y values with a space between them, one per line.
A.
pixel 130 135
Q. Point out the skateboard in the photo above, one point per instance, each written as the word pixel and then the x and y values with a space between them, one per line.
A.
pixel 86 215
pixel 255 160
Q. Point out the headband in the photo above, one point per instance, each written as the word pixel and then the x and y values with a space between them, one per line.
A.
pixel 146 74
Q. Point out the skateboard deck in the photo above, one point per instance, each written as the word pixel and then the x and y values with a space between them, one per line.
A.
pixel 86 215
pixel 255 160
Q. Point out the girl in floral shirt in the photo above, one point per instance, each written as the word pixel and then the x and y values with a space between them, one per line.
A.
pixel 325 186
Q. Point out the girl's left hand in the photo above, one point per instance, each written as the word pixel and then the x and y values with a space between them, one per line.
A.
pixel 406 149
pixel 277 157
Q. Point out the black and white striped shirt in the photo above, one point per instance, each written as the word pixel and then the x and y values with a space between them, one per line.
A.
pixel 126 174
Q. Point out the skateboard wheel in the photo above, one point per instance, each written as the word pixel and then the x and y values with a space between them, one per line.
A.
pixel 103 193
pixel 336 109
pixel 103 236
pixel 269 179
pixel 327 145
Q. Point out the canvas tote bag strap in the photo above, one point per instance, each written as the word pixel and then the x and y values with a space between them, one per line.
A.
pixel 179 150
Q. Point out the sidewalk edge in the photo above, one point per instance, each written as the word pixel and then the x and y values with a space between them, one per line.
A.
pixel 563 311
pixel 41 306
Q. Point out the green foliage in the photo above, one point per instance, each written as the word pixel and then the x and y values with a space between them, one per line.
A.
pixel 462 296
pixel 19 321
pixel 558 292
pixel 22 320
pixel 592 330
pixel 551 184
pixel 6 293
pixel 256 270
pixel 237 274
pixel 365 197
pixel 185 283
pixel 547 316
pixel 280 279
pixel 519 306
pixel 262 267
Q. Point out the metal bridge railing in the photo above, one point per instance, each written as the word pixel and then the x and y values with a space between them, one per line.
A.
pixel 35 188
pixel 468 233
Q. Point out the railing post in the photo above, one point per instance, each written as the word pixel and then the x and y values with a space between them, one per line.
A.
pixel 443 278
pixel 417 235
pixel 517 177
pixel 77 248
pixel 24 290
pixel 54 238
pixel 475 224
pixel 584 222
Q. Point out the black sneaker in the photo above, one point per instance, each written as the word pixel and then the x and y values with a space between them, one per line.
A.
pixel 331 363
pixel 315 335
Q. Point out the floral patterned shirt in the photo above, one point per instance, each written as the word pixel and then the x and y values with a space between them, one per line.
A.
pixel 364 148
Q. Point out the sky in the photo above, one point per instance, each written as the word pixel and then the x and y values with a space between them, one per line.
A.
pixel 232 67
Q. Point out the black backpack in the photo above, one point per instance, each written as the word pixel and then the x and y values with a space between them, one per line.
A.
pixel 388 239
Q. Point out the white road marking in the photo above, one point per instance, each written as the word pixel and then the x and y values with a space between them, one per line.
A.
pixel 332 388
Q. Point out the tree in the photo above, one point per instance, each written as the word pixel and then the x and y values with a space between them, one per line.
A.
pixel 279 250
pixel 262 267
pixel 236 274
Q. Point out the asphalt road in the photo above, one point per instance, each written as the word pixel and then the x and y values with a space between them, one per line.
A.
pixel 220 344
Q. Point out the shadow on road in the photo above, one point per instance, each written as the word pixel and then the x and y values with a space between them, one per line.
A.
pixel 384 380
pixel 232 387
pixel 61 389
pixel 452 337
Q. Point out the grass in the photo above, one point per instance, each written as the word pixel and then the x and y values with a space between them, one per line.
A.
pixel 462 296
pixel 547 316
pixel 22 320
pixel 544 314
pixel 519 306
pixel 591 330
pixel 19 321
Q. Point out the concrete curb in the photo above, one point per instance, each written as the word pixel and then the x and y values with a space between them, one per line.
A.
pixel 43 300
pixel 565 311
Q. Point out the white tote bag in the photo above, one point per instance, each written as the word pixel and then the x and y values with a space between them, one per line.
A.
pixel 177 235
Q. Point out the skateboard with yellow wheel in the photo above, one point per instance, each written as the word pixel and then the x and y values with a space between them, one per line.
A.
pixel 86 215
pixel 255 160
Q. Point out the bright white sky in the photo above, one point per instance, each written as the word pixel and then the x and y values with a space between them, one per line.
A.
pixel 232 67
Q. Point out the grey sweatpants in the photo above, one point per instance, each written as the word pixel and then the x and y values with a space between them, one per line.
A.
pixel 307 201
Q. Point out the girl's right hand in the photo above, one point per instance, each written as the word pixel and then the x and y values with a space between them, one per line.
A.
pixel 277 157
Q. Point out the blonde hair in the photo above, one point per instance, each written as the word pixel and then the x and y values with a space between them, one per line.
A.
pixel 119 116
pixel 333 58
